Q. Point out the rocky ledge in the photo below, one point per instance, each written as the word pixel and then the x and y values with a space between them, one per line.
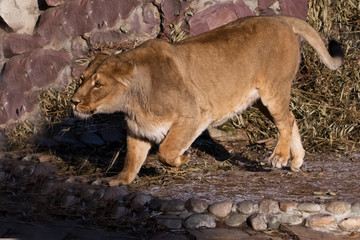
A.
pixel 35 174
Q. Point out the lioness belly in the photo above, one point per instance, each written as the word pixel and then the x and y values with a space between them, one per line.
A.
pixel 246 102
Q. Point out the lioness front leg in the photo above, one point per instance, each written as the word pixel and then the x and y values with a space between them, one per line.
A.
pixel 137 150
pixel 179 138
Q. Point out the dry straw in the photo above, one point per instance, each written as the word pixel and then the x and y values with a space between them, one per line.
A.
pixel 326 103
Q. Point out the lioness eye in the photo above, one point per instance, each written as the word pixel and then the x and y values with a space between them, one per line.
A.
pixel 97 85
pixel 81 79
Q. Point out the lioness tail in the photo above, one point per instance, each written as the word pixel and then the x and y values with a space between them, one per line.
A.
pixel 332 57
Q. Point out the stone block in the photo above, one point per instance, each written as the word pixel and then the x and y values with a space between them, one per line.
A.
pixel 221 209
pixel 20 16
pixel 320 221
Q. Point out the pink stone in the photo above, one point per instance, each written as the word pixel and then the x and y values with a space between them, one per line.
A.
pixel 55 2
pixel 212 17
pixel 24 75
pixel 171 9
pixel 15 44
pixel 242 10
pixel 264 4
pixel 293 8
pixel 107 12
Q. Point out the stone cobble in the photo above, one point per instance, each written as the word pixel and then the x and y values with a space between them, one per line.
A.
pixel 195 213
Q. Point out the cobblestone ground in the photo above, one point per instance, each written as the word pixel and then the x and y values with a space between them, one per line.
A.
pixel 55 193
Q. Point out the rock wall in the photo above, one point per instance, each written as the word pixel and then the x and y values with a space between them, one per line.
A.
pixel 40 41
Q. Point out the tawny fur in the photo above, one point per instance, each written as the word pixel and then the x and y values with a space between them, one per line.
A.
pixel 170 93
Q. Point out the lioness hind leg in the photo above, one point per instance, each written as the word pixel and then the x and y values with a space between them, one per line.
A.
pixel 179 138
pixel 136 153
pixel 297 150
pixel 284 120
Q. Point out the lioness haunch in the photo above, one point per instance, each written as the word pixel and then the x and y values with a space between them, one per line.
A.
pixel 170 93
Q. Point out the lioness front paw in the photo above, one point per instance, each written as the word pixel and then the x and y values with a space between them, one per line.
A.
pixel 120 179
pixel 278 160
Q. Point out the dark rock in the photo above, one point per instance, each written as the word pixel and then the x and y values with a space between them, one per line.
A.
pixel 115 193
pixel 70 200
pixel 156 203
pixel 200 220
pixel 120 211
pixel 88 194
pixel 18 170
pixel 235 220
pixel 196 205
pixel 169 221
pixel 173 206
pixel 140 200
pixel 15 44
pixel 44 169
pixel 4 176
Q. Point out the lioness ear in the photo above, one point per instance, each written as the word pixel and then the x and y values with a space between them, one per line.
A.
pixel 125 68
pixel 122 70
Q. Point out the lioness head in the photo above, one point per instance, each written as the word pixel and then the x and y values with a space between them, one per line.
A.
pixel 102 86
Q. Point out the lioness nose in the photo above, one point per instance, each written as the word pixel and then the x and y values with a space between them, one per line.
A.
pixel 75 101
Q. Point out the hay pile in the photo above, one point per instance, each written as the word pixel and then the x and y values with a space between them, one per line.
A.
pixel 326 103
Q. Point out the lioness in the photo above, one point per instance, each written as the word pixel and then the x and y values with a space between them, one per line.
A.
pixel 170 93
